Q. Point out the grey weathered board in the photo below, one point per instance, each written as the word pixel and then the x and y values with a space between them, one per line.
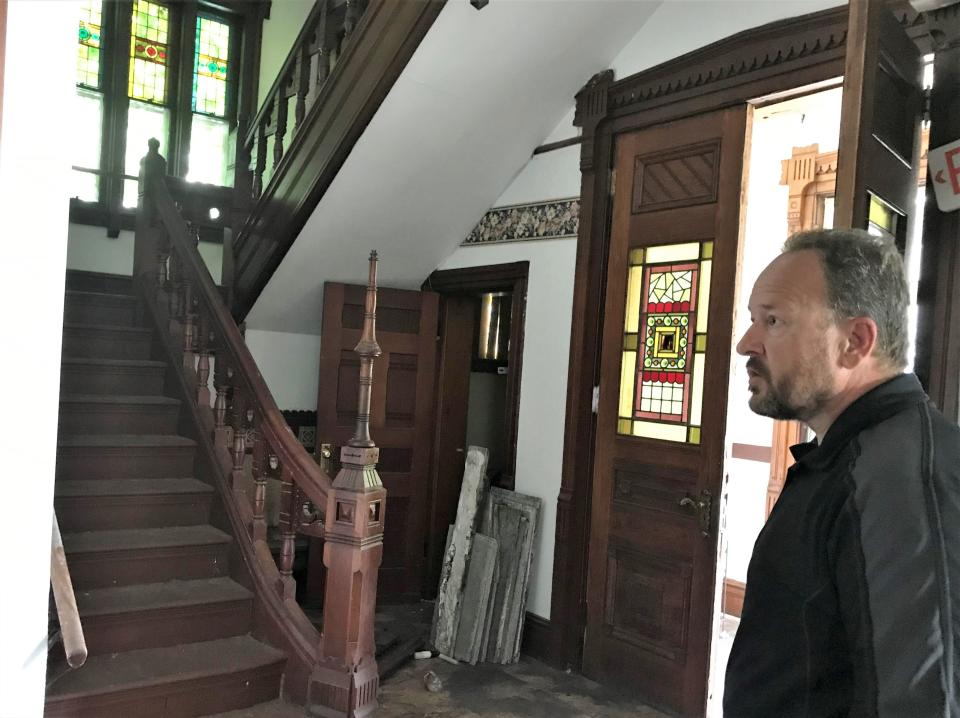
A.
pixel 476 598
pixel 453 572
pixel 511 519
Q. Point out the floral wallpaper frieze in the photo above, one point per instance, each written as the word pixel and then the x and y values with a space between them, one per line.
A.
pixel 556 219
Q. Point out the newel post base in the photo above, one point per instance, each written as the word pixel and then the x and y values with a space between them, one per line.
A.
pixel 345 681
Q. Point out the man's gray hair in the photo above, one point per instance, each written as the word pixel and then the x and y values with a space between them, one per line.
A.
pixel 865 278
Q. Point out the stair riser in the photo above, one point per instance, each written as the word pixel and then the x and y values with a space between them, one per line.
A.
pixel 90 380
pixel 123 419
pixel 117 463
pixel 107 513
pixel 100 569
pixel 100 311
pixel 103 344
pixel 196 697
pixel 167 627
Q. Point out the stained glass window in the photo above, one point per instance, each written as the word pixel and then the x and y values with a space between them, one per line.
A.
pixel 148 52
pixel 665 342
pixel 88 48
pixel 211 53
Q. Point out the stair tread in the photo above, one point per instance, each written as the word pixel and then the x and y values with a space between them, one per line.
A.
pixel 143 538
pixel 130 487
pixel 133 363
pixel 118 399
pixel 123 440
pixel 152 666
pixel 89 293
pixel 107 327
pixel 153 596
pixel 272 709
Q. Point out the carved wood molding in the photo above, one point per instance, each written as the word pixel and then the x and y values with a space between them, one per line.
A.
pixel 773 49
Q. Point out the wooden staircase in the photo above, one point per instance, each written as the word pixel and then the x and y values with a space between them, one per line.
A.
pixel 167 628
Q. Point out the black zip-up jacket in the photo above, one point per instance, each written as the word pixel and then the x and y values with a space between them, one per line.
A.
pixel 852 608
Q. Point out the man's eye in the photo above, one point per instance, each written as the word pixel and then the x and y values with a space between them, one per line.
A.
pixel 771 321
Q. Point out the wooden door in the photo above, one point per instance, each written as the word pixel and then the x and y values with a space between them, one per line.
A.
pixel 879 124
pixel 401 419
pixel 661 416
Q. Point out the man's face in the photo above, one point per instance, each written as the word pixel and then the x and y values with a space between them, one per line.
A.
pixel 793 343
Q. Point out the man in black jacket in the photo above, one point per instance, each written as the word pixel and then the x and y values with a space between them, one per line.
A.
pixel 852 606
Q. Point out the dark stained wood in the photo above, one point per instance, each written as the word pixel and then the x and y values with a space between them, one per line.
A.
pixel 537 640
pixel 449 444
pixel 401 414
pixel 938 296
pixel 754 64
pixel 651 571
pixel 880 119
pixel 382 44
pixel 558 145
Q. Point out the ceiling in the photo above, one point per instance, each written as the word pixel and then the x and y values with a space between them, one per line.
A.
pixel 481 92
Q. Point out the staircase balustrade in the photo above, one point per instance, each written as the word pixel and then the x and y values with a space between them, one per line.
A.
pixel 252 445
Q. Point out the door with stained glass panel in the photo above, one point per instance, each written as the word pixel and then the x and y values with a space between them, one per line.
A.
pixel 661 414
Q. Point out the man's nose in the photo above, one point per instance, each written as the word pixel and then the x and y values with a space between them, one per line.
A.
pixel 748 343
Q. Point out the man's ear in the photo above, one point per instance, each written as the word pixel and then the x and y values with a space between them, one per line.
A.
pixel 860 341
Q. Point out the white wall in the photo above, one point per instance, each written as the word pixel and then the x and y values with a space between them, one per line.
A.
pixel 543 384
pixel 279 32
pixel 34 177
pixel 289 364
pixel 91 250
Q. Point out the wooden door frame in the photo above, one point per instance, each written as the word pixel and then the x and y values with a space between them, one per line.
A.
pixel 472 281
pixel 758 63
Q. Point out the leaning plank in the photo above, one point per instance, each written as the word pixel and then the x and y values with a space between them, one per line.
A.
pixel 453 573
pixel 511 519
pixel 476 598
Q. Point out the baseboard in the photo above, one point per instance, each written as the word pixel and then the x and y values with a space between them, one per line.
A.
pixel 538 639
pixel 733 591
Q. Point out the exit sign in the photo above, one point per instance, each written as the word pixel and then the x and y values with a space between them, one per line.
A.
pixel 944 164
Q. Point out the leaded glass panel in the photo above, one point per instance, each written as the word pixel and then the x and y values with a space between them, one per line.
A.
pixel 88 47
pixel 210 67
pixel 148 52
pixel 664 342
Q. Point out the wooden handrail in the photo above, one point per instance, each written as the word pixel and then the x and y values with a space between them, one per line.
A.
pixel 74 644
pixel 335 671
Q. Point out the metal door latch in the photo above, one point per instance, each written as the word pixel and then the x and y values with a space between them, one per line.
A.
pixel 704 508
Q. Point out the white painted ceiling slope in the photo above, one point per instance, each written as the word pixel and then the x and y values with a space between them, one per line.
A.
pixel 481 92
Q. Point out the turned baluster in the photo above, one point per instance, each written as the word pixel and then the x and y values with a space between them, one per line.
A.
pixel 238 452
pixel 205 340
pixel 302 75
pixel 350 17
pixel 261 164
pixel 289 514
pixel 280 128
pixel 221 378
pixel 173 285
pixel 264 465
pixel 189 326
pixel 322 49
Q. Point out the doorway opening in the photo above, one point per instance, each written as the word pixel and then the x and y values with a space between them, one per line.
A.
pixel 792 166
pixel 477 393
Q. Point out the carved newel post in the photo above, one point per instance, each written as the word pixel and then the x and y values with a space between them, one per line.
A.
pixel 346 680
pixel 149 235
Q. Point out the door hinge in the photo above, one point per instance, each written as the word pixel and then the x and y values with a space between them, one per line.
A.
pixel 595 401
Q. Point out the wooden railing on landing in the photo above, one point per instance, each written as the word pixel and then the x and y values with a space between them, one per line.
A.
pixel 341 67
pixel 335 671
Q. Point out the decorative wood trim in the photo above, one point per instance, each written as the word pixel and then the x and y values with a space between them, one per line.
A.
pixel 379 49
pixel 559 145
pixel 553 219
pixel 760 62
pixel 537 641
pixel 751 452
pixel 733 593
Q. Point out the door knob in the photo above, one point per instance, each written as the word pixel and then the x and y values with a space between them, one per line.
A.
pixel 703 505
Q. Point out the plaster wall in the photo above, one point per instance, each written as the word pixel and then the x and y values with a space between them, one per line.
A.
pixel 289 364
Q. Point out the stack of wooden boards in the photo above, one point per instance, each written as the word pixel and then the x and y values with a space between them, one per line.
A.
pixel 481 601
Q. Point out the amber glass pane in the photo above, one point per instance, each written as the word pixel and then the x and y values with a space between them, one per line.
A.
pixel 148 52
pixel 88 47
pixel 661 383
pixel 210 67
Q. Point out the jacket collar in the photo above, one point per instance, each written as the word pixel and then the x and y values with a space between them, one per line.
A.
pixel 875 406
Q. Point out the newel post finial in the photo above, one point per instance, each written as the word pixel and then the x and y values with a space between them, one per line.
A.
pixel 368 349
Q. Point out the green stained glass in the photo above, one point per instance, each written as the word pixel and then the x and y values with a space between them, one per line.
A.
pixel 88 47
pixel 148 52
pixel 210 67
